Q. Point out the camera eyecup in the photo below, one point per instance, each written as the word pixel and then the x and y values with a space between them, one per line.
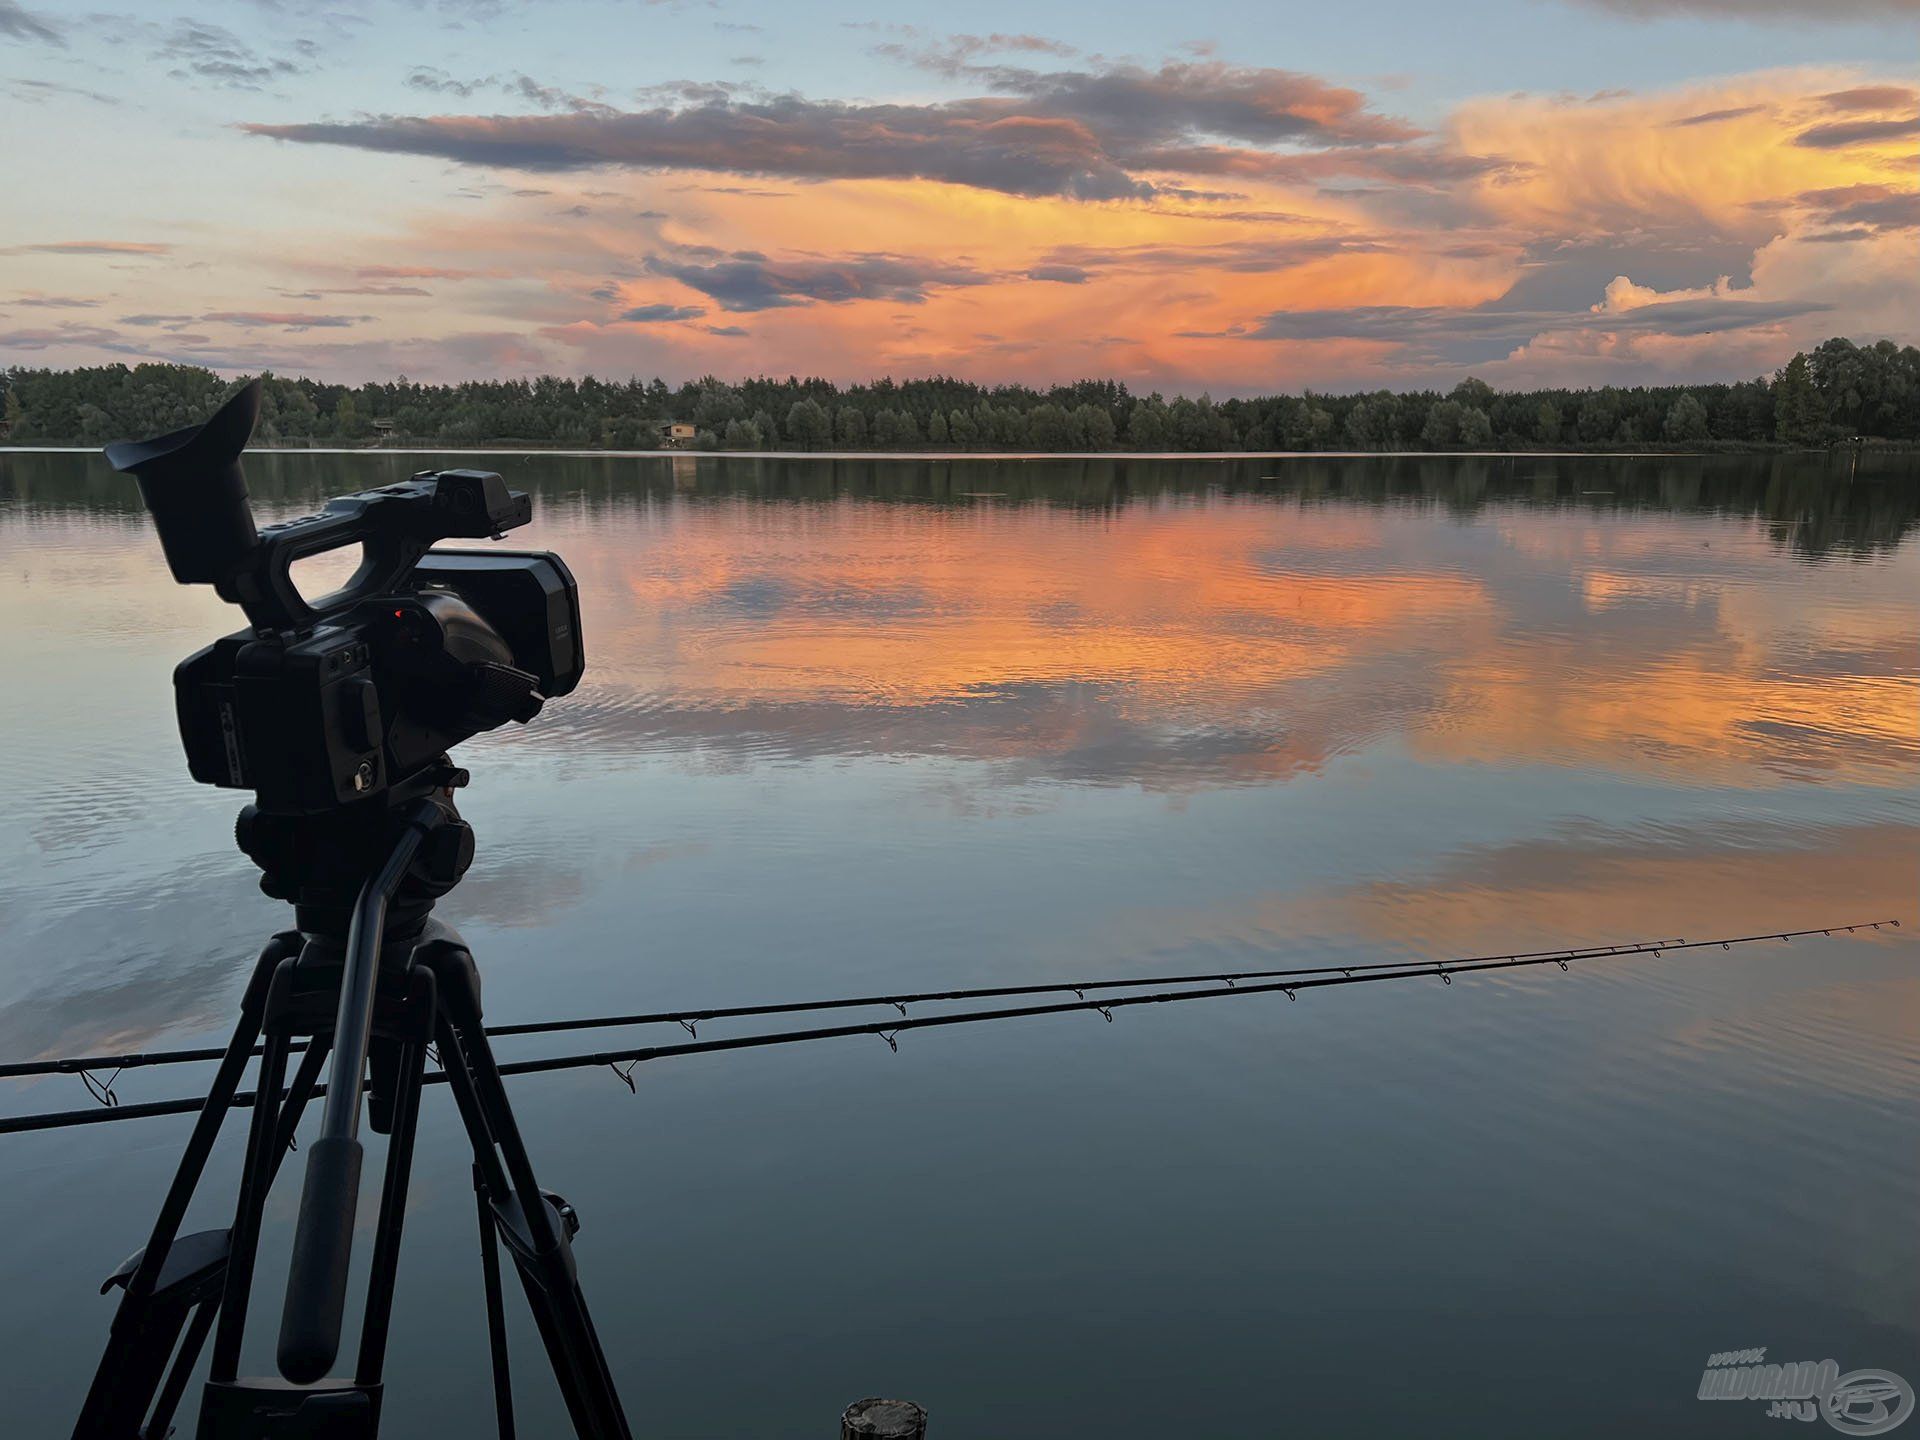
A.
pixel 192 484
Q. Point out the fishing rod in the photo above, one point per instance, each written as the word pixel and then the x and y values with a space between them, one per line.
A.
pixel 890 1030
pixel 85 1064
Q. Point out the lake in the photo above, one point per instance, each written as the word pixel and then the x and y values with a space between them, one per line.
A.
pixel 857 725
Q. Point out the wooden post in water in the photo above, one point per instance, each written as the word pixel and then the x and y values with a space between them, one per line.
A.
pixel 876 1419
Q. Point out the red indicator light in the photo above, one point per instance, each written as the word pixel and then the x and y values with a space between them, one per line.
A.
pixel 399 614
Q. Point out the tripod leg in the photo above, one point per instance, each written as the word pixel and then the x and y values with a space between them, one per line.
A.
pixel 144 1332
pixel 408 1067
pixel 257 1175
pixel 496 1311
pixel 536 1232
pixel 299 1091
pixel 159 1423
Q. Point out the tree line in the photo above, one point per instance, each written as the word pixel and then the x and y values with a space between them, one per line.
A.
pixel 1830 395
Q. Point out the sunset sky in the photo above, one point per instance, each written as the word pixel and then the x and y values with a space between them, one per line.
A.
pixel 1221 196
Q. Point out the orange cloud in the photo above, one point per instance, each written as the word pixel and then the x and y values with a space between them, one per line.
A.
pixel 1740 218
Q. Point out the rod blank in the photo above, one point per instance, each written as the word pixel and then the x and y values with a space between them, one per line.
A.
pixel 1293 982
pixel 84 1064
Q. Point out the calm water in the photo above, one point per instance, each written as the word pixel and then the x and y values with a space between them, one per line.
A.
pixel 862 725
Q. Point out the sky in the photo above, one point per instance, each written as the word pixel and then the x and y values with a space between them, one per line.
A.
pixel 1218 196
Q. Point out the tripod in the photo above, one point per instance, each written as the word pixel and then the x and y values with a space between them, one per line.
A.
pixel 371 978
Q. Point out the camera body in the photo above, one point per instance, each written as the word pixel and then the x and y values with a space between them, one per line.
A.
pixel 322 704
pixel 375 691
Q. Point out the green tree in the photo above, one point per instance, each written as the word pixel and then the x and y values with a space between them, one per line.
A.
pixel 1797 412
pixel 1049 429
pixel 1686 422
pixel 1094 427
pixel 1474 393
pixel 807 424
pixel 1838 388
pixel 1442 428
pixel 1599 416
pixel 1148 427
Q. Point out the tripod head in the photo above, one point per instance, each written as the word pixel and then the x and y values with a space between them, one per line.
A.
pixel 320 863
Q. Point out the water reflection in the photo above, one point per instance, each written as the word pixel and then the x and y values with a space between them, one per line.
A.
pixel 849 725
pixel 1814 504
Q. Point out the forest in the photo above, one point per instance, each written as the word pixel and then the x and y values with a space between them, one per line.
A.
pixel 1838 393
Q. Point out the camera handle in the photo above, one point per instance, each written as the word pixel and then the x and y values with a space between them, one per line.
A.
pixel 329 1200
pixel 394 526
pixel 263 586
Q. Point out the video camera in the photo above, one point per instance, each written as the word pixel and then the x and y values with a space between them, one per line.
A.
pixel 321 704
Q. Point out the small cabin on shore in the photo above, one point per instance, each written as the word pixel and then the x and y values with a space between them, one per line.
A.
pixel 676 434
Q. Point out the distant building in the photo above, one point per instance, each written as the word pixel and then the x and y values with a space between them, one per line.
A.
pixel 675 434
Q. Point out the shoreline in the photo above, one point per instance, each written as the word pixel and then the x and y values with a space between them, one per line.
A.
pixel 992 455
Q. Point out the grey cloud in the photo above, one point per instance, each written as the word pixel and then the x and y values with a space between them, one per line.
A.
pixel 43 339
pixel 434 81
pixel 1710 117
pixel 420 272
pixel 737 190
pixel 1083 134
pixel 748 281
pixel 39 90
pixel 88 247
pixel 955 55
pixel 728 332
pixel 1857 132
pixel 788 137
pixel 1554 276
pixel 281 320
pixel 1244 257
pixel 1879 206
pixel 169 321
pixel 213 53
pixel 54 302
pixel 1184 100
pixel 1870 97
pixel 654 314
pixel 1409 324
pixel 22 24
pixel 1060 274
